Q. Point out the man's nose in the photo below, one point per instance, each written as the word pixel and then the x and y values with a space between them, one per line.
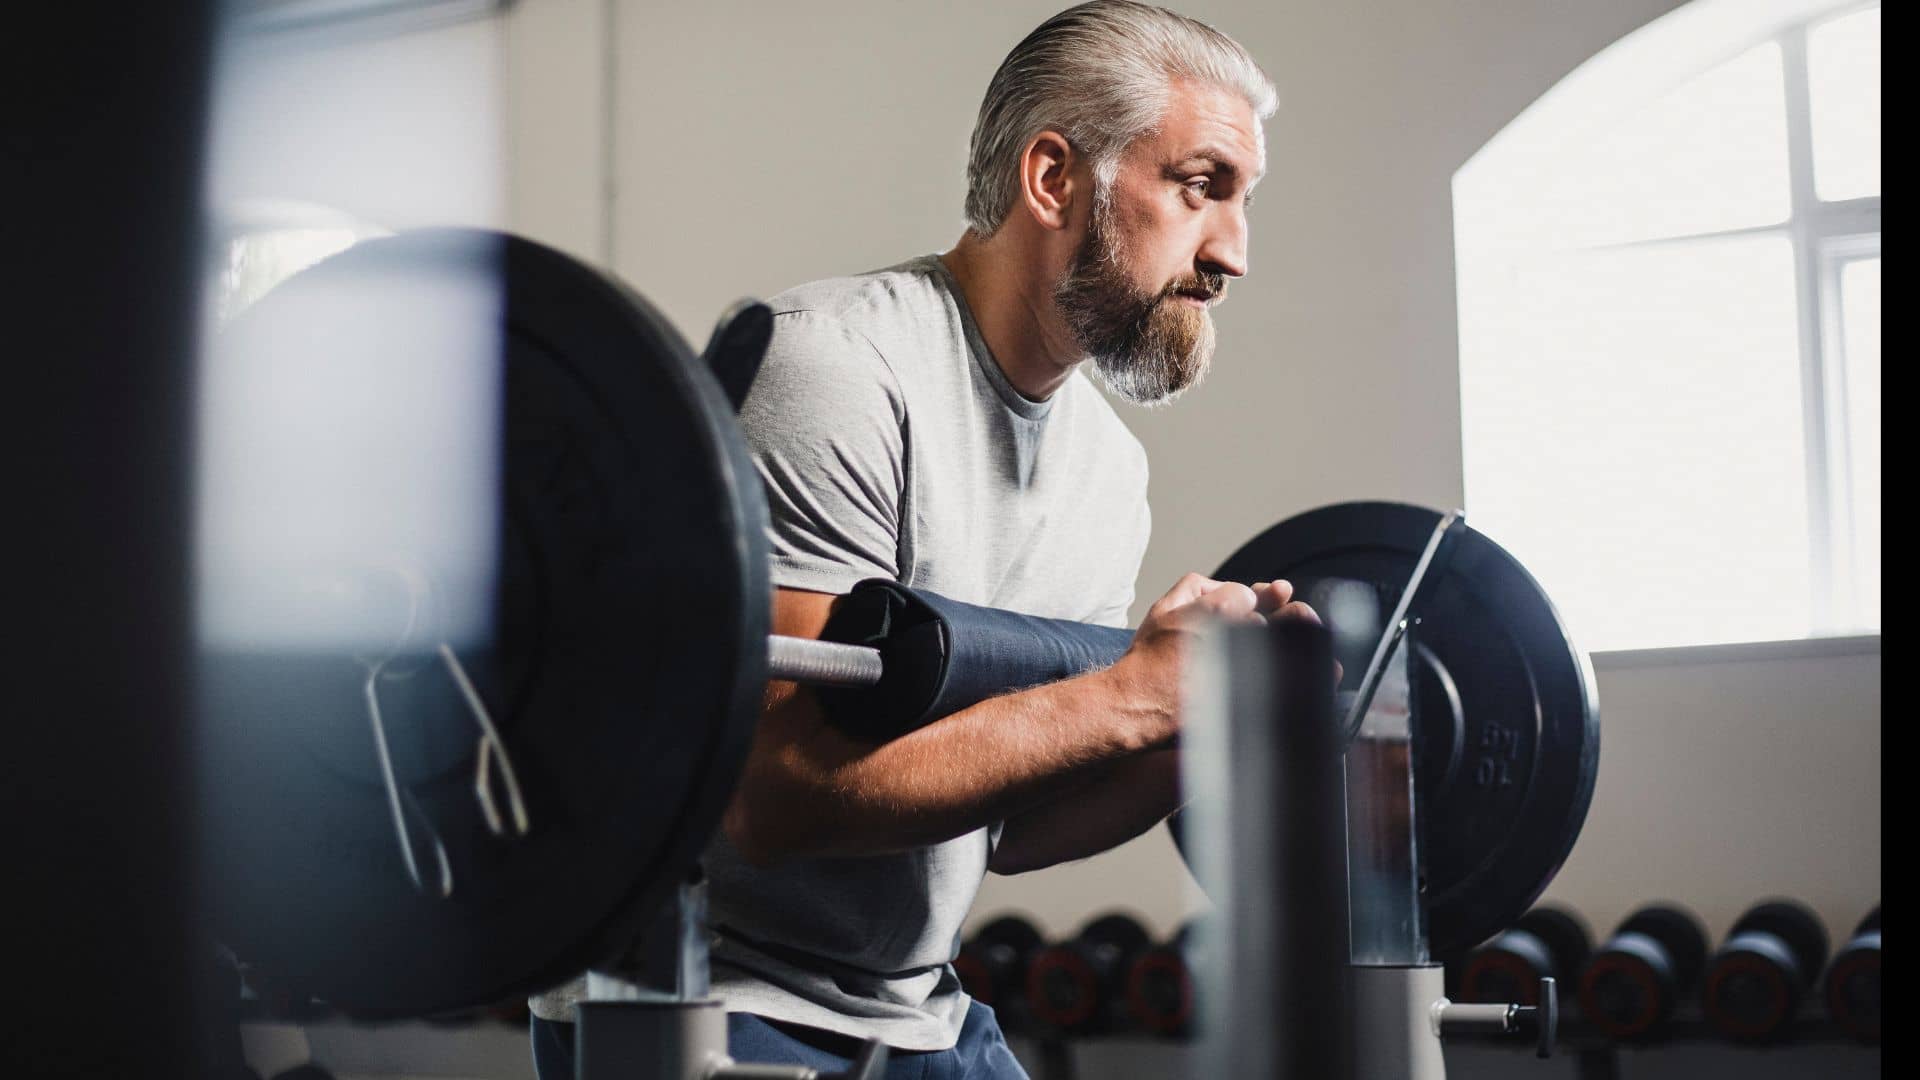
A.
pixel 1224 250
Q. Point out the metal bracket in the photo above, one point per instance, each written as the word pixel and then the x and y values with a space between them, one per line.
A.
pixel 1407 612
pixel 405 809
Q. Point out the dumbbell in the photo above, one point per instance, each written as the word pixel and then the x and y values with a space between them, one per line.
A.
pixel 1759 976
pixel 1075 986
pixel 1853 981
pixel 993 966
pixel 1653 960
pixel 1161 992
pixel 1547 942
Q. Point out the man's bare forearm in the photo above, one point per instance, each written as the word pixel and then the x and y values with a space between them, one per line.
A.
pixel 1123 800
pixel 809 789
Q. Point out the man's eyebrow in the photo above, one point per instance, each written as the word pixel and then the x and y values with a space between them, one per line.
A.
pixel 1209 156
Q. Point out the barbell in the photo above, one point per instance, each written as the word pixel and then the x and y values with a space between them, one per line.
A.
pixel 484 595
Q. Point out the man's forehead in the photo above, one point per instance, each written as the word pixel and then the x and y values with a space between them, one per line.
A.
pixel 1212 127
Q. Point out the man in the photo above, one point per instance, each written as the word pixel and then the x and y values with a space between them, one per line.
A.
pixel 932 423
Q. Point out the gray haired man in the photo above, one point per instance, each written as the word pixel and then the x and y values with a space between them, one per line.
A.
pixel 934 423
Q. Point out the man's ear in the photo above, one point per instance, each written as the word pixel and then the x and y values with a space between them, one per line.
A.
pixel 1048 185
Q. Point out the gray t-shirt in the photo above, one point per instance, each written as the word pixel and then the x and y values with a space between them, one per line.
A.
pixel 892 445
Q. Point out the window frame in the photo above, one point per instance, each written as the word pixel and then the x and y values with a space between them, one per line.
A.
pixel 1822 232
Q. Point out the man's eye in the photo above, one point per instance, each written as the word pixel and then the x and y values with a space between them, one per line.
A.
pixel 1198 186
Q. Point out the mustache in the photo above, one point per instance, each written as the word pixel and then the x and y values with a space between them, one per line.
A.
pixel 1204 284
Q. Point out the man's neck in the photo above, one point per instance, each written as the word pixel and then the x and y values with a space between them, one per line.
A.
pixel 1011 298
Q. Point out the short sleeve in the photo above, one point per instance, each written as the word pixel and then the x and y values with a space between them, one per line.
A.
pixel 825 422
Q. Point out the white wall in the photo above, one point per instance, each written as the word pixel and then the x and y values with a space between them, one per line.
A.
pixel 757 145
pixel 396 130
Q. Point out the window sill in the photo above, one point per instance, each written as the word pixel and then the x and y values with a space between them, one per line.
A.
pixel 1738 652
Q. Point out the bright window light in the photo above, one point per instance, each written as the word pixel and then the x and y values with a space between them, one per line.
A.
pixel 1707 156
pixel 1655 418
pixel 1843 85
pixel 1860 322
pixel 1648 495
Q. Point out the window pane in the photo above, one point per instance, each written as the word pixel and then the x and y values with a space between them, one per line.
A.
pixel 1860 326
pixel 1843 83
pixel 1707 156
pixel 1632 432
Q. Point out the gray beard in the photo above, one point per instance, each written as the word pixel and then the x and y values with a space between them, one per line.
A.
pixel 1147 349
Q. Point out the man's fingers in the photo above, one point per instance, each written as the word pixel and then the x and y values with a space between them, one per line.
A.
pixel 1273 595
pixel 1235 601
pixel 1189 588
pixel 1231 600
pixel 1297 609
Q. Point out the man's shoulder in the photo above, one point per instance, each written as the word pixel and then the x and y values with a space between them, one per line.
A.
pixel 874 303
pixel 837 339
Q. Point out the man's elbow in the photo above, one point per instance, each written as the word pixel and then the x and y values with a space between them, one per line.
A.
pixel 1012 857
pixel 740 826
pixel 764 828
pixel 1009 867
pixel 769 822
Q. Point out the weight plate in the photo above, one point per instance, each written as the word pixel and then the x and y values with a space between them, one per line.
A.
pixel 615 632
pixel 1507 722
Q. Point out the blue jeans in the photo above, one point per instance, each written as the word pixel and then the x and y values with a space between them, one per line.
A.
pixel 981 1053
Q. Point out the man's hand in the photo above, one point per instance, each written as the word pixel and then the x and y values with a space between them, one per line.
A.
pixel 1275 601
pixel 1130 795
pixel 1151 668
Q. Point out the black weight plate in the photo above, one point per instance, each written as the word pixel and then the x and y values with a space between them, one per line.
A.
pixel 1508 739
pixel 622 654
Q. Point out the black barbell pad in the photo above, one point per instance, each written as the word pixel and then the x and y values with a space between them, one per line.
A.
pixel 942 655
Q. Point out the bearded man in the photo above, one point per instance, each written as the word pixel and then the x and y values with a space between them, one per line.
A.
pixel 934 423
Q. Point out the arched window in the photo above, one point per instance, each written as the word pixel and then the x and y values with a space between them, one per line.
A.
pixel 1669 291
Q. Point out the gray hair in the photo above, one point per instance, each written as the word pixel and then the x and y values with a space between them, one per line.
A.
pixel 1100 74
